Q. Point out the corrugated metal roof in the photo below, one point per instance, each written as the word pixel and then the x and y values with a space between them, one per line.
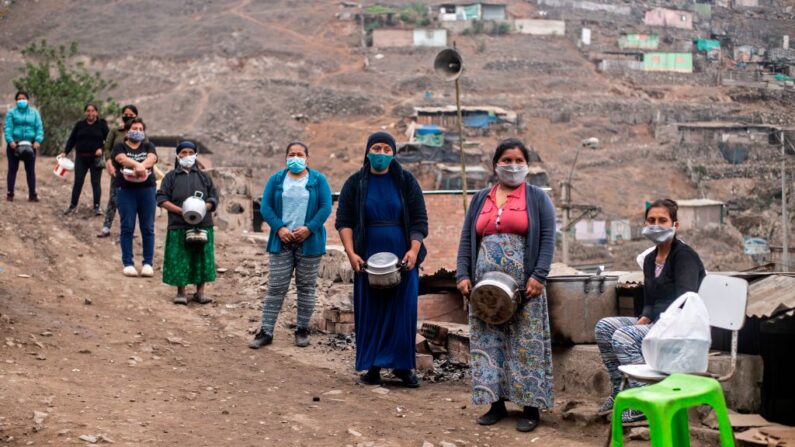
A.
pixel 698 202
pixel 770 295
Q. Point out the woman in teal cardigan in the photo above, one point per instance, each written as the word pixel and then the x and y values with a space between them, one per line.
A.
pixel 23 124
pixel 295 204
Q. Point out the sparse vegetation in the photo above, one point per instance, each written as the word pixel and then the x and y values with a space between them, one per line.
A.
pixel 60 88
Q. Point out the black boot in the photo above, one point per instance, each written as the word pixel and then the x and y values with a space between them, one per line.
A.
pixel 495 413
pixel 371 377
pixel 407 378
pixel 260 340
pixel 302 337
pixel 528 420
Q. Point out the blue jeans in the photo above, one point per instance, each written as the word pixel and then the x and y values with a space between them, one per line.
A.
pixel 139 202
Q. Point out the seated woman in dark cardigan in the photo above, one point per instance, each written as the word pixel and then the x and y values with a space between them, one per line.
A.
pixel 669 271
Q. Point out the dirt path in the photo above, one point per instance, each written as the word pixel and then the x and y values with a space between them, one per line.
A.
pixel 135 368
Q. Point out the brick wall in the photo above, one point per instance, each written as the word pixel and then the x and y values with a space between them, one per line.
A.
pixel 445 219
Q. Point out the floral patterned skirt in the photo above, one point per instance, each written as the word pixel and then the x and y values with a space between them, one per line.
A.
pixel 513 360
pixel 184 265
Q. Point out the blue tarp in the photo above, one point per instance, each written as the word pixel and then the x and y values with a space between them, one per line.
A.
pixel 477 120
pixel 428 129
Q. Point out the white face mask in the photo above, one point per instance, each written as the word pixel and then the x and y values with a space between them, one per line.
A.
pixel 658 233
pixel 187 161
pixel 511 175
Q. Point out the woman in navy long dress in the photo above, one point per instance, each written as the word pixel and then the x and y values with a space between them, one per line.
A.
pixel 381 209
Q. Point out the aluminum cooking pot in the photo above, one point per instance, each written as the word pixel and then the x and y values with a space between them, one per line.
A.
pixel 383 270
pixel 495 298
pixel 195 237
pixel 577 303
pixel 194 208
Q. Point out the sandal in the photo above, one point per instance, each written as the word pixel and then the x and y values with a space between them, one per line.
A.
pixel 181 299
pixel 201 298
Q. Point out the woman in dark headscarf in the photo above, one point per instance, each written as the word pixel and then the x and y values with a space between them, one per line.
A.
pixel 381 209
pixel 184 262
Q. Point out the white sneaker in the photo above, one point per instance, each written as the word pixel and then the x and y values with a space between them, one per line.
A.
pixel 130 271
pixel 147 271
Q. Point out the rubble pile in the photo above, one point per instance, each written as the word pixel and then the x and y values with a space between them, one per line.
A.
pixel 320 104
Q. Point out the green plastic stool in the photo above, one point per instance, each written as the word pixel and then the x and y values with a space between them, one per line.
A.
pixel 665 406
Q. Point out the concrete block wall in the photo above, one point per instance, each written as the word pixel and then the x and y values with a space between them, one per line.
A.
pixel 445 219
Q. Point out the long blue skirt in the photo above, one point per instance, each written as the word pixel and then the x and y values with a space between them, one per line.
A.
pixel 386 319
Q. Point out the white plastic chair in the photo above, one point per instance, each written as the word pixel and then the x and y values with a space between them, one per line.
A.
pixel 726 298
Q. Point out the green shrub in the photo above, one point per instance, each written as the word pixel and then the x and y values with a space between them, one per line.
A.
pixel 60 89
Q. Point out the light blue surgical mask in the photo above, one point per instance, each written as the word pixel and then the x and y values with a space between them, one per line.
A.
pixel 296 165
pixel 22 103
pixel 379 162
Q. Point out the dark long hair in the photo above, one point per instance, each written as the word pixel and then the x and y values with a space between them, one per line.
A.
pixel 668 204
pixel 507 144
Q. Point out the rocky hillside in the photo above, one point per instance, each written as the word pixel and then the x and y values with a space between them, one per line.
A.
pixel 248 76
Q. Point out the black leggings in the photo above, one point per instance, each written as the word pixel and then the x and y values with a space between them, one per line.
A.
pixel 82 166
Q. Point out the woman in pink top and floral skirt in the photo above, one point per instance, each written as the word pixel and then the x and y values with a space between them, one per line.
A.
pixel 510 228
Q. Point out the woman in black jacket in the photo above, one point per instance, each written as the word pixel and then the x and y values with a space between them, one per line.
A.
pixel 88 139
pixel 669 271
pixel 381 209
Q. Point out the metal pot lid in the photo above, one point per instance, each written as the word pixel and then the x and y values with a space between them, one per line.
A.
pixel 382 261
pixel 500 277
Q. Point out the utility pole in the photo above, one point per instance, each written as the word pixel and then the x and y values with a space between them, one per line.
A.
pixel 785 265
pixel 363 36
pixel 565 199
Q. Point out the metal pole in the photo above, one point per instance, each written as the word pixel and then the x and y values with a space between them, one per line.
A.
pixel 461 145
pixel 363 37
pixel 565 198
pixel 784 215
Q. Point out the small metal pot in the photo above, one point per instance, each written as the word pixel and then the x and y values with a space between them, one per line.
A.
pixel 495 298
pixel 195 237
pixel 383 270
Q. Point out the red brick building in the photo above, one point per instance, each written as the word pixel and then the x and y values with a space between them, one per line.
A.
pixel 445 219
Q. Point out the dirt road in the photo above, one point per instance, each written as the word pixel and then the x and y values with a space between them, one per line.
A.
pixel 106 355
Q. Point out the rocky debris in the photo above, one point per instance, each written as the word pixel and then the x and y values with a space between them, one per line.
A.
pixel 516 64
pixel 338 342
pixel 445 370
pixel 380 390
pixel 335 266
pixel 353 432
pixel 39 417
pixel 639 434
pixel 177 341
pixel 320 104
pixel 582 413
pixel 96 439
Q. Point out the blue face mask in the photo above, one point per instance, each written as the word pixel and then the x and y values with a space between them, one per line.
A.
pixel 136 135
pixel 379 162
pixel 22 103
pixel 296 165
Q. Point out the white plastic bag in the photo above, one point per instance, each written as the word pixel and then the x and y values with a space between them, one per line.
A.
pixel 680 339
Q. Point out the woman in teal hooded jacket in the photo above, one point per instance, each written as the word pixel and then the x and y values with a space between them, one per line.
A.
pixel 23 124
